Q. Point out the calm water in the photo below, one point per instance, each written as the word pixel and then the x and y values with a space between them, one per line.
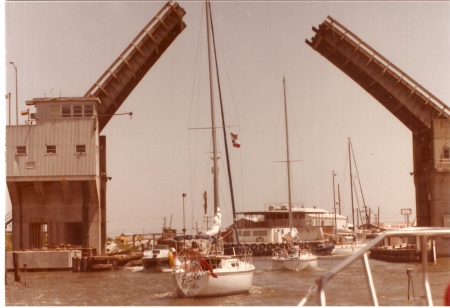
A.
pixel 270 288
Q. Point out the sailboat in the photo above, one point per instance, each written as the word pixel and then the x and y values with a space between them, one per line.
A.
pixel 349 242
pixel 298 259
pixel 205 270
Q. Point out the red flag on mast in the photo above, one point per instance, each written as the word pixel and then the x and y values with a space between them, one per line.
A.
pixel 235 141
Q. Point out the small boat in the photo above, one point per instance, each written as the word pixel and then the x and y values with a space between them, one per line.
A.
pixel 205 270
pixel 324 250
pixel 157 259
pixel 402 250
pixel 299 259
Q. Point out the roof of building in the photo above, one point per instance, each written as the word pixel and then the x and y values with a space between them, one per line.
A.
pixel 61 99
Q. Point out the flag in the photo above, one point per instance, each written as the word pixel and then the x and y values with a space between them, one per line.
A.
pixel 235 141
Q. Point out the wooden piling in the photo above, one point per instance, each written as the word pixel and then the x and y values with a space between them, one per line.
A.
pixel 16 266
pixel 83 264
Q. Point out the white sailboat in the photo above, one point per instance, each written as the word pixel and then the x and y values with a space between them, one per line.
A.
pixel 347 243
pixel 206 271
pixel 298 259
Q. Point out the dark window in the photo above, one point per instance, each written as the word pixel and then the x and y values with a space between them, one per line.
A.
pixel 446 153
pixel 88 111
pixel 66 111
pixel 77 111
pixel 80 149
pixel 21 150
pixel 50 149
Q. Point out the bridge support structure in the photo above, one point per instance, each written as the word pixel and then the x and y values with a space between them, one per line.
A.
pixel 426 116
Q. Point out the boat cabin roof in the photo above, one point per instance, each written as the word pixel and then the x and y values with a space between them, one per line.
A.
pixel 284 209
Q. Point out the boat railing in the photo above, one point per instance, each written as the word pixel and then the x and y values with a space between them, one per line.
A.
pixel 423 232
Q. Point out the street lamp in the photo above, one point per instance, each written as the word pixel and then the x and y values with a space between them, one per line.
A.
pixel 335 214
pixel 184 226
pixel 17 108
pixel 8 96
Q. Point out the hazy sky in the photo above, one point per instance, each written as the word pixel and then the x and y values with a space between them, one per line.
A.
pixel 62 48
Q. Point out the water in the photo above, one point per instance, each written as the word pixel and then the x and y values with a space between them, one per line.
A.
pixel 270 288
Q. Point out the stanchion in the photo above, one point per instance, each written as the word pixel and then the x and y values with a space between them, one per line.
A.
pixel 25 273
pixel 410 281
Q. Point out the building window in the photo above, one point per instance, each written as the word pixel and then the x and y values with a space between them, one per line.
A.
pixel 246 233
pixel 77 111
pixel 21 150
pixel 260 233
pixel 55 112
pixel 80 148
pixel 446 154
pixel 66 111
pixel 88 111
pixel 30 164
pixel 50 149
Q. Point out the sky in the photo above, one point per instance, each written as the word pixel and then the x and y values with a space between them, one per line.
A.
pixel 163 151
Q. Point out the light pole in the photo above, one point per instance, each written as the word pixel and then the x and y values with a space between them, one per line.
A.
pixel 8 96
pixel 184 226
pixel 334 200
pixel 17 108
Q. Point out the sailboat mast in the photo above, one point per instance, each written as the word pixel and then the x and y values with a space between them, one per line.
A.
pixel 287 158
pixel 213 120
pixel 351 183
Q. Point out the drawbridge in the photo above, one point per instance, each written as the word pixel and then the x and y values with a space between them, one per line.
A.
pixel 420 111
pixel 117 82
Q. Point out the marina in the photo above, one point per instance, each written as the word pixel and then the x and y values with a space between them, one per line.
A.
pixel 62 194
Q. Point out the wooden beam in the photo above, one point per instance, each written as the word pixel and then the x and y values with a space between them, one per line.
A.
pixel 14 193
pixel 94 192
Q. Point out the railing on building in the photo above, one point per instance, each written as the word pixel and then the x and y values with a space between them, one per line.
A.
pixel 442 165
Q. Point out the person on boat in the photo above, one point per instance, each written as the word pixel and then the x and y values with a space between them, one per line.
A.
pixel 192 255
pixel 278 251
pixel 173 259
pixel 295 251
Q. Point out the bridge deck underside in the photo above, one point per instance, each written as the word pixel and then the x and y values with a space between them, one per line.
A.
pixel 119 80
pixel 414 106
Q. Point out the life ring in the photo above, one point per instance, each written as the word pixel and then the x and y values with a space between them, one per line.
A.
pixel 262 246
pixel 171 260
pixel 269 246
pixel 254 247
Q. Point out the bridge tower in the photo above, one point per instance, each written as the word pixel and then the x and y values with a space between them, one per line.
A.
pixel 56 169
pixel 420 111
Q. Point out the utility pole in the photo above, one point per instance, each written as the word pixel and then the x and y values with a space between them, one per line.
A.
pixel 17 107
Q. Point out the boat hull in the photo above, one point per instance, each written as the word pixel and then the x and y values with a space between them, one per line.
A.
pixel 294 264
pixel 156 264
pixel 347 250
pixel 202 284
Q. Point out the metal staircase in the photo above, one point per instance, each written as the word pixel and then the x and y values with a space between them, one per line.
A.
pixel 114 86
pixel 8 218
